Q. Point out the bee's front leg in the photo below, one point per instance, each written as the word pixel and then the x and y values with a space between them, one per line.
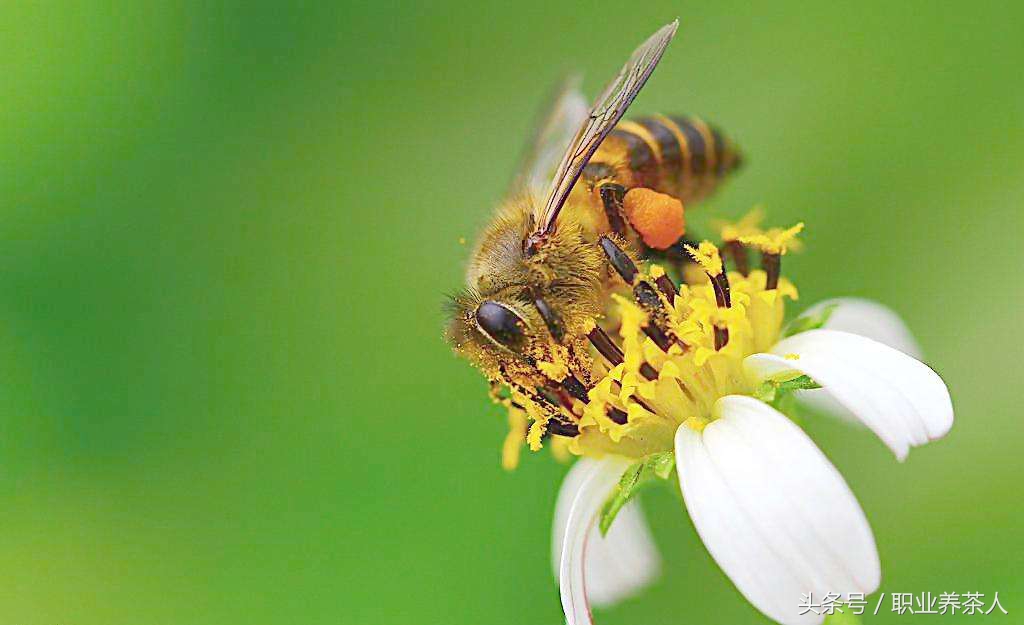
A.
pixel 558 422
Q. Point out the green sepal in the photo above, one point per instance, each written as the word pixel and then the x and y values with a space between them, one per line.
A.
pixel 806 322
pixel 638 475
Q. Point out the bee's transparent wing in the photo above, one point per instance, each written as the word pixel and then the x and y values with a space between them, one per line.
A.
pixel 604 114
pixel 563 113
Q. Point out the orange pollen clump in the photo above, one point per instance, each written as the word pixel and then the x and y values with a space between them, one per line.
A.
pixel 657 217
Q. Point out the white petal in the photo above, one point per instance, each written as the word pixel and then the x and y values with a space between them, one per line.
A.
pixel 866 318
pixel 773 511
pixel 869 319
pixel 596 480
pixel 619 564
pixel 899 398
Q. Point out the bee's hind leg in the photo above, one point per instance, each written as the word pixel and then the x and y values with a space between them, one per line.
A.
pixel 612 195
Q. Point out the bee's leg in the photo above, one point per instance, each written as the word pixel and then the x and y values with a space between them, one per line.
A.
pixel 612 194
pixel 571 383
pixel 558 423
pixel 644 294
pixel 659 215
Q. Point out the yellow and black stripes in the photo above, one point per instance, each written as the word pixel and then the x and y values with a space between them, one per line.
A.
pixel 640 154
pixel 681 156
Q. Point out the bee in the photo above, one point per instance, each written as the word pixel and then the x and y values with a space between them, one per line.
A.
pixel 593 195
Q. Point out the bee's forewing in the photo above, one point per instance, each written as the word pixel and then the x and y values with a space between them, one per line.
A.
pixel 604 114
pixel 560 118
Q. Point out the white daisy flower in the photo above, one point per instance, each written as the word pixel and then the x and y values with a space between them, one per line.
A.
pixel 774 513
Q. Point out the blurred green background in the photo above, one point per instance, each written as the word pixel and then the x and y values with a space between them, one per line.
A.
pixel 226 233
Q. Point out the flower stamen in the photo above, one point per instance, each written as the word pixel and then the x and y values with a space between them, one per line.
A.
pixel 731 232
pixel 772 266
pixel 773 245
pixel 616 415
pixel 738 252
pixel 721 337
pixel 665 284
pixel 707 256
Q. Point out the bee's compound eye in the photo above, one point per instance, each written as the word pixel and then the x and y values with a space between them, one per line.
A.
pixel 501 324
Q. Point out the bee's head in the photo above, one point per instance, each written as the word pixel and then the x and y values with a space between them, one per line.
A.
pixel 519 308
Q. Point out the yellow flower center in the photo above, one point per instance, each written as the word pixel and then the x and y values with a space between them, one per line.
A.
pixel 679 351
pixel 691 376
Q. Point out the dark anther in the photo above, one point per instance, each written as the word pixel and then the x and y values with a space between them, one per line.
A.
pixel 771 265
pixel 721 337
pixel 605 346
pixel 721 286
pixel 738 252
pixel 656 334
pixel 550 317
pixel 619 260
pixel 501 324
pixel 611 196
pixel 668 289
pixel 636 398
pixel 562 428
pixel 572 384
pixel 616 415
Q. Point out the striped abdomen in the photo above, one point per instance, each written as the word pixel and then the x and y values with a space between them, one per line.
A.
pixel 681 156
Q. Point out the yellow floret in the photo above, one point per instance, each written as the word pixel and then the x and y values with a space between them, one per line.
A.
pixel 707 256
pixel 775 240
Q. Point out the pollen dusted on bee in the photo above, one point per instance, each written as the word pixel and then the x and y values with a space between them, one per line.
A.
pixel 656 217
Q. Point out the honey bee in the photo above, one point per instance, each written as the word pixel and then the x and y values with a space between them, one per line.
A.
pixel 593 194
